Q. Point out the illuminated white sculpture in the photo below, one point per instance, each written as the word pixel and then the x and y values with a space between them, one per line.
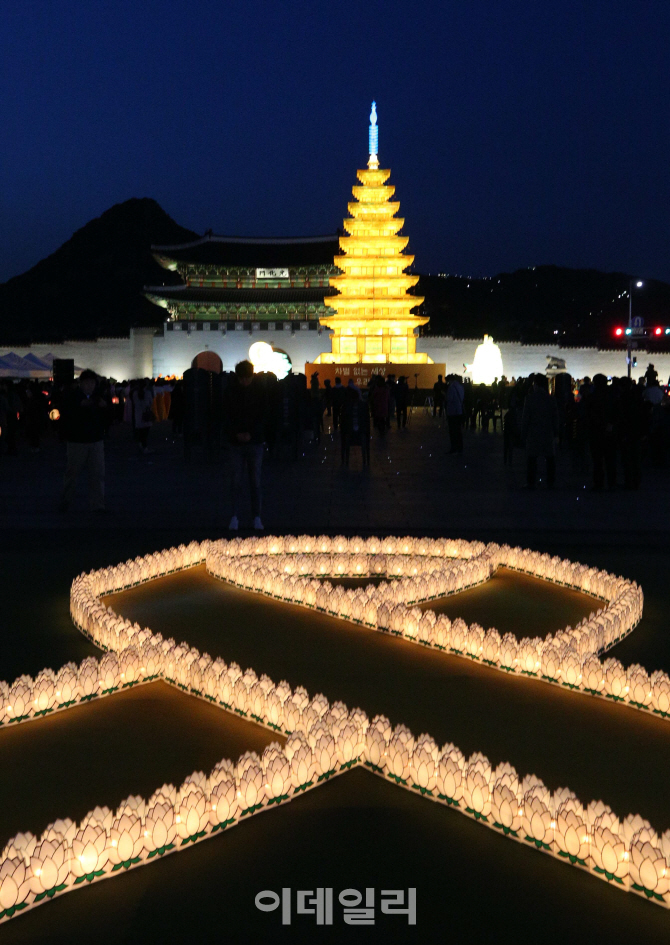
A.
pixel 487 365
pixel 265 359
pixel 325 740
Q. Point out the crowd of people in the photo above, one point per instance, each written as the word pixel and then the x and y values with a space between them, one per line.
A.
pixel 613 421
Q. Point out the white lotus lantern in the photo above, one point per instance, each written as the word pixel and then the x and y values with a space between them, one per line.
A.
pixel 398 754
pixel 660 693
pixel 302 763
pixel 423 765
pixel 90 852
pixel 160 828
pixel 126 837
pixel 505 808
pixel 192 817
pixel 277 771
pixel 251 787
pixel 14 886
pixel 648 868
pixel 20 704
pixel 614 675
pixel 571 669
pixel 21 845
pixel 477 786
pixel 49 868
pixel 325 757
pixel 376 742
pixel 450 766
pixel 639 686
pixel 350 744
pixel 537 820
pixel 571 832
pixel 224 804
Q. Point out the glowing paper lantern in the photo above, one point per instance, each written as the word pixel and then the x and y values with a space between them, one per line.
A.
pixel 487 365
pixel 266 360
pixel 327 739
pixel 90 852
pixel 49 868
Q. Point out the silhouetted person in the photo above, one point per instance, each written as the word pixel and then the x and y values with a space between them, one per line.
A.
pixel 439 389
pixel 316 406
pixel 401 402
pixel 602 417
pixel 455 400
pixel 4 413
pixel 84 419
pixel 244 416
pixel 391 387
pixel 539 427
pixel 379 404
pixel 328 397
pixel 632 422
pixel 651 375
pixel 35 415
pixel 177 408
pixel 338 400
pixel 354 424
pixel 143 413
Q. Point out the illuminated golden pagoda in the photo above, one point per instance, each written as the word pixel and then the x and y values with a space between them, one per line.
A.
pixel 372 320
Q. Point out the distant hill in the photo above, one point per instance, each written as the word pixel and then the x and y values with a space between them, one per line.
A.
pixel 92 287
pixel 540 304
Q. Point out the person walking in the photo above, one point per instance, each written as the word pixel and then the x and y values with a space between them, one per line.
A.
pixel 84 419
pixel 244 416
pixel 143 412
pixel 455 400
pixel 539 428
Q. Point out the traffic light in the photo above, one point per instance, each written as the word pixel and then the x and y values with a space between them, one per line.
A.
pixel 658 331
pixel 618 332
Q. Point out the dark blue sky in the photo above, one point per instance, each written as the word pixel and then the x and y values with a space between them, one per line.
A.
pixel 518 133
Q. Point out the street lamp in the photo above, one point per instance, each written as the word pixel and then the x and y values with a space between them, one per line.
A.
pixel 629 333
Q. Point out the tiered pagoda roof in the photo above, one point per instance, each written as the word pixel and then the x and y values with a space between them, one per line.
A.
pixel 242 278
pixel 249 253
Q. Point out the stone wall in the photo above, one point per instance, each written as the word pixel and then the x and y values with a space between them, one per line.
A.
pixel 147 352
pixel 121 358
pixel 174 350
pixel 520 360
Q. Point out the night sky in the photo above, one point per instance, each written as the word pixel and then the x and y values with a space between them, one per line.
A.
pixel 518 133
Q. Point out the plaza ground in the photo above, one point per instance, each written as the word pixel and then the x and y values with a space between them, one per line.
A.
pixel 358 831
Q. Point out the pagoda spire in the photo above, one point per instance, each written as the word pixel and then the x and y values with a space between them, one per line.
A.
pixel 373 139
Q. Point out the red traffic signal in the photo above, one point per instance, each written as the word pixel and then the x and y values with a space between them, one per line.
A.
pixel 618 332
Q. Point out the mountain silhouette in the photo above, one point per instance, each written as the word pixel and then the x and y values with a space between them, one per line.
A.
pixel 91 286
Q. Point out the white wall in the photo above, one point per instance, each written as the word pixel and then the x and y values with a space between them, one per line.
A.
pixel 520 360
pixel 174 351
pixel 120 358
pixel 145 353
